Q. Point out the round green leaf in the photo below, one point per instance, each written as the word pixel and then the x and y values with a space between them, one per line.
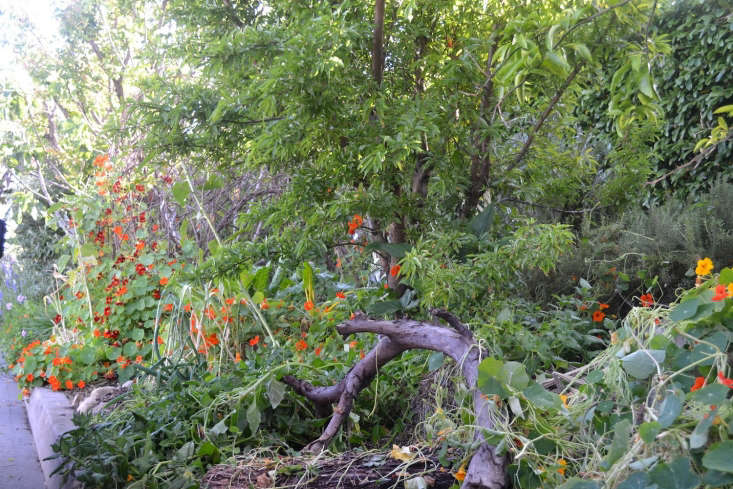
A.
pixel 719 457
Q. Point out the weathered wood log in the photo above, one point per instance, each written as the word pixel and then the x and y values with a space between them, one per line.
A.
pixel 487 469
pixel 350 470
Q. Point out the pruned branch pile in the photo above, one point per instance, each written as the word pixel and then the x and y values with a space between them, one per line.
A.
pixel 350 470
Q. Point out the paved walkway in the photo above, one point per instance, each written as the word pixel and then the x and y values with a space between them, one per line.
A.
pixel 19 466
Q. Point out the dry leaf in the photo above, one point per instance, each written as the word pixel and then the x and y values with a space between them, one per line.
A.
pixel 402 454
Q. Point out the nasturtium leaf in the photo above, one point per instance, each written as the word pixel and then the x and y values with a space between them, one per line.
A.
pixel 253 417
pixel 619 444
pixel 541 397
pixel 137 334
pixel 677 474
pixel 719 457
pixel 488 372
pixel 208 449
pixel 710 394
pixel 715 478
pixel 642 363
pixel 699 436
pixel 649 431
pixel 180 192
pixel 514 374
pixel 87 355
pixel 114 353
pixel 435 361
pixel 726 276
pixel 685 310
pixel 186 451
pixel 130 349
pixel 275 392
pixel 594 377
pixel 576 483
pixel 219 428
pixel 637 480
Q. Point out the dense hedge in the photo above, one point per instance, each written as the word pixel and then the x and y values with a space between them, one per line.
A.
pixel 694 80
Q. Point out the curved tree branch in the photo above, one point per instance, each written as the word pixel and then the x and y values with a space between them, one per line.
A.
pixel 487 469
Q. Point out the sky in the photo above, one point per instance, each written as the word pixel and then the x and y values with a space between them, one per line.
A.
pixel 40 12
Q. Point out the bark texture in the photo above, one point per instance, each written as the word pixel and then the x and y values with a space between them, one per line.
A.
pixel 487 469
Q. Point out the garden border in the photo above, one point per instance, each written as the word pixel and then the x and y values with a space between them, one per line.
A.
pixel 50 415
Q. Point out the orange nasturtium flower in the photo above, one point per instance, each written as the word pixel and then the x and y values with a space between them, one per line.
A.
pixel 647 300
pixel 168 307
pixel 81 384
pixel 308 305
pixel 598 316
pixel 301 345
pixel 720 293
pixel 603 306
pixel 163 280
pixel 340 295
pixel 461 474
pixel 254 341
pixel 724 380
pixel 704 266
pixel 699 383
pixel 563 464
pixel 69 385
pixel 395 270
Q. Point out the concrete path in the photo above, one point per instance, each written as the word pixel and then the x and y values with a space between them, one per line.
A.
pixel 19 466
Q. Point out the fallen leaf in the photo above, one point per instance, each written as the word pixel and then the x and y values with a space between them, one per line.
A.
pixel 402 454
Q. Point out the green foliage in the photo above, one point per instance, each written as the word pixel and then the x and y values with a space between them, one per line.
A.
pixel 693 82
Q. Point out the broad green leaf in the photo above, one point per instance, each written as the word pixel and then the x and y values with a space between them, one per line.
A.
pixel 488 383
pixel 619 445
pixel 670 408
pixel 556 64
pixel 726 276
pixel 87 355
pixel 130 349
pixel 724 109
pixel 435 361
pixel 719 457
pixel 514 374
pixel 710 394
pixel 258 297
pixel 219 428
pixel 649 431
pixel 684 310
pixel 715 478
pixel 137 334
pixel 482 221
pixel 541 397
pixel 253 417
pixel 677 474
pixel 645 85
pixel 637 480
pixel 262 278
pixel 275 392
pixel 642 363
pixel 180 192
pixel 576 483
pixel 594 377
pixel 699 436
pixel 246 278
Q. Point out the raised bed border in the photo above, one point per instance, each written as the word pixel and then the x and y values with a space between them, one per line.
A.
pixel 50 416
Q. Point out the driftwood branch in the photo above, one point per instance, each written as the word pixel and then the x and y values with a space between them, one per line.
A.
pixel 487 469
